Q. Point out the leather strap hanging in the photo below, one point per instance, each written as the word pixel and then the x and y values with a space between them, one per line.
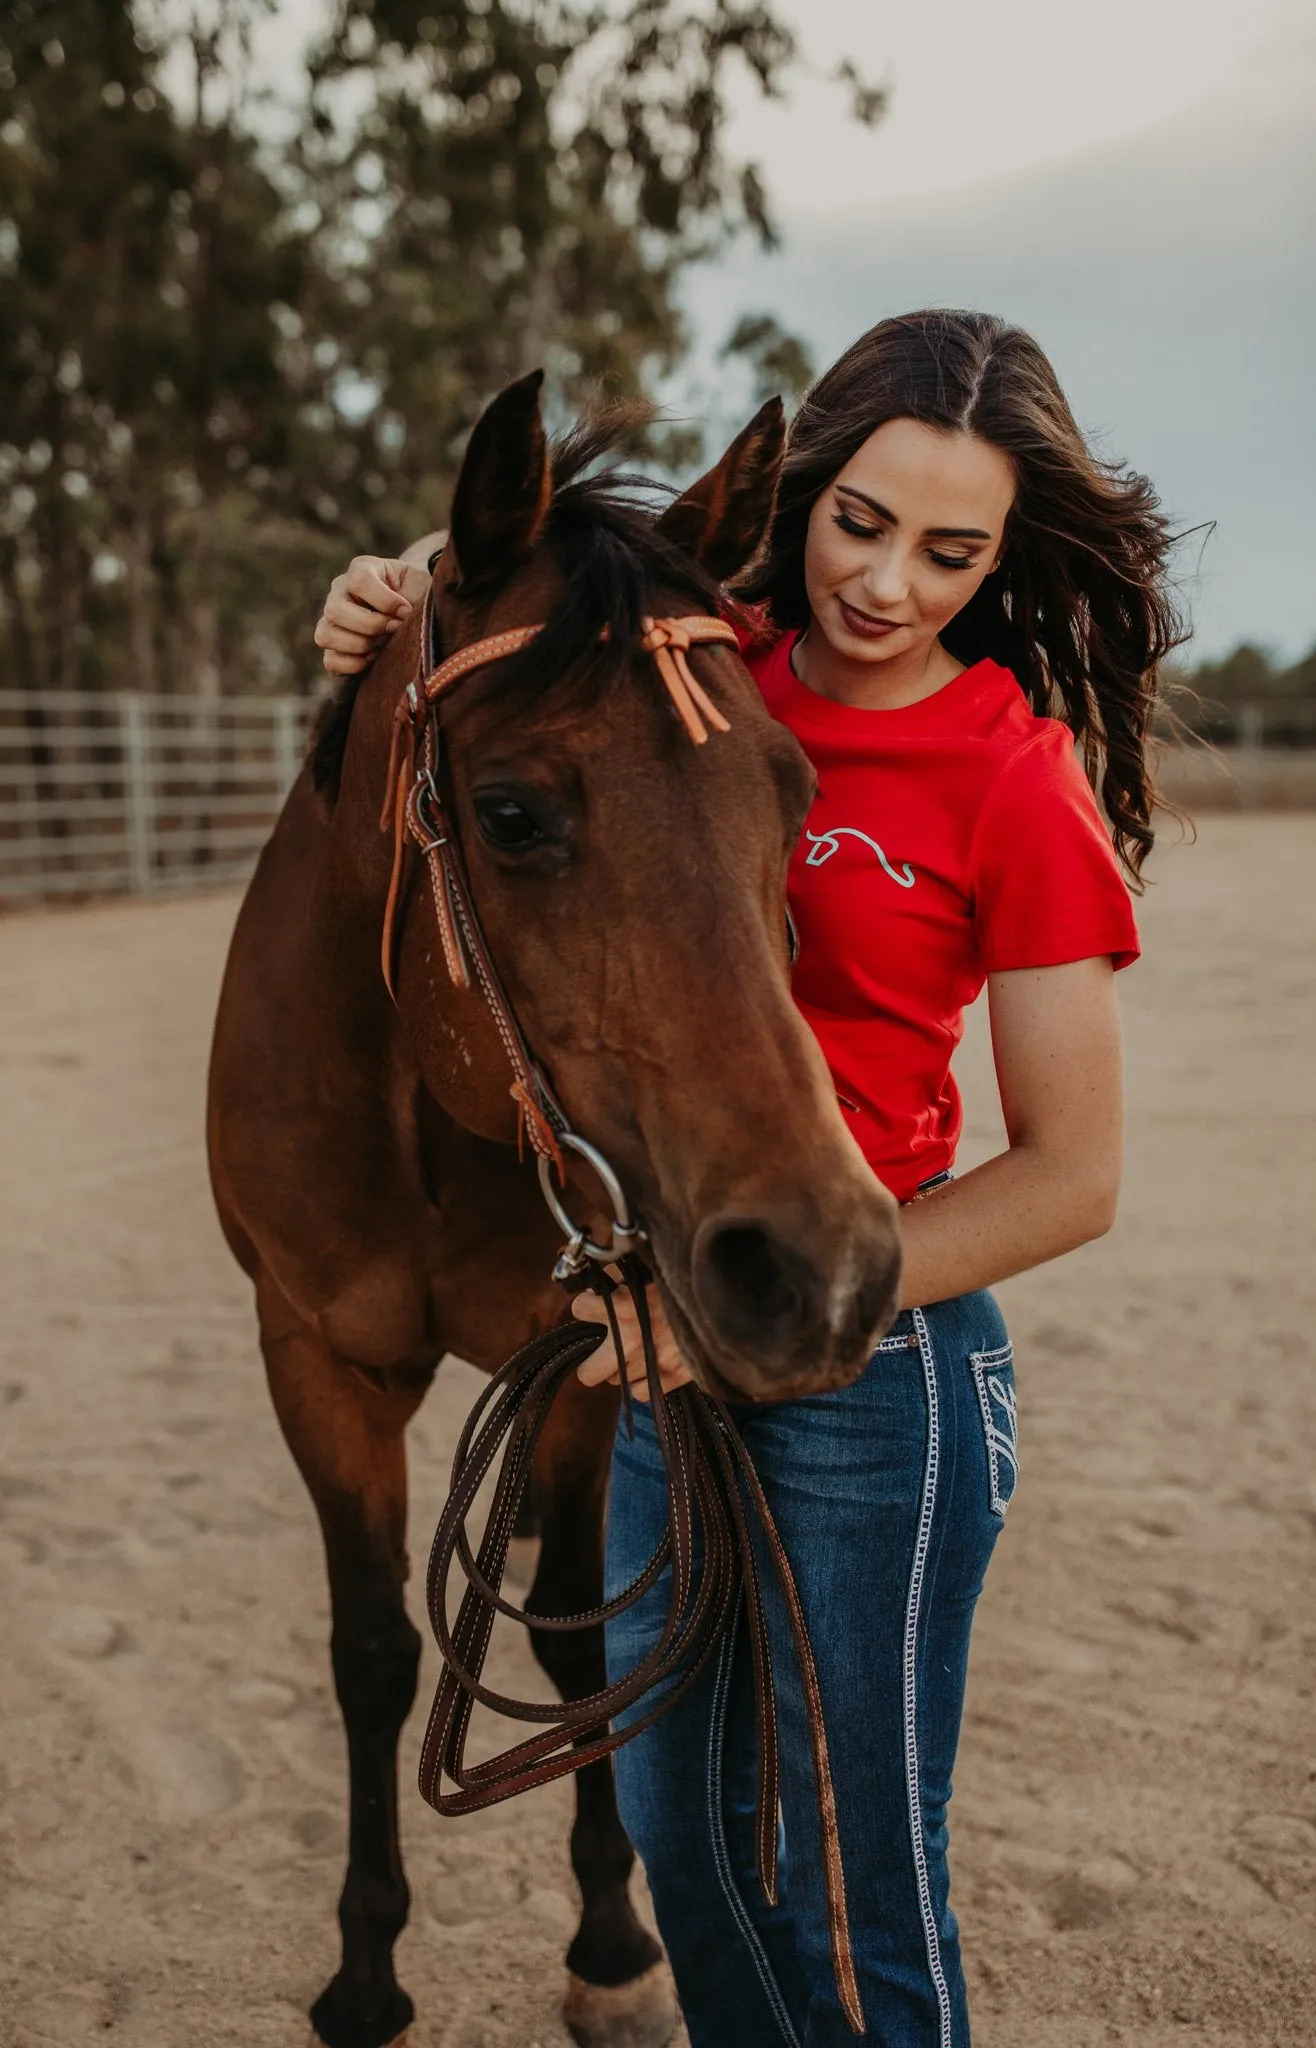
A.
pixel 712 1487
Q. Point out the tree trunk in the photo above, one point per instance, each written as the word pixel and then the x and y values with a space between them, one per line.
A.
pixel 141 602
pixel 204 680
pixel 66 569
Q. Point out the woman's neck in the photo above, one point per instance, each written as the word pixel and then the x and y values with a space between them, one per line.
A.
pixel 871 685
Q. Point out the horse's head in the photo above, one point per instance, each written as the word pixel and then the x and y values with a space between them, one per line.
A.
pixel 631 887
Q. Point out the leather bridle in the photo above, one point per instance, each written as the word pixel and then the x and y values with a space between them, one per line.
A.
pixel 415 808
pixel 713 1492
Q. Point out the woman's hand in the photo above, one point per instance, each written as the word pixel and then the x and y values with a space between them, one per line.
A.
pixel 365 605
pixel 601 1369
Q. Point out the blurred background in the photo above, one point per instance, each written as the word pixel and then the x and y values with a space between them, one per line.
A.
pixel 261 266
pixel 259 269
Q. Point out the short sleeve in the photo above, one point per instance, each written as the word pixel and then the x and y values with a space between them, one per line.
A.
pixel 1046 884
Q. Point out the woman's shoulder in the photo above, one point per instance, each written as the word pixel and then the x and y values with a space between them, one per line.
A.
pixel 997 711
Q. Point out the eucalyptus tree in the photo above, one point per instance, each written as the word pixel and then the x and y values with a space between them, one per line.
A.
pixel 238 341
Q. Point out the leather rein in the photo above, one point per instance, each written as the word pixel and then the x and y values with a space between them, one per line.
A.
pixel 713 1492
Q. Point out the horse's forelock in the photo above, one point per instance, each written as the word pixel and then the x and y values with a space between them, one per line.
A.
pixel 612 563
pixel 607 426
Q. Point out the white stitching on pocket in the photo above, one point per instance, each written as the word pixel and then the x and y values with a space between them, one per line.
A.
pixel 1000 1422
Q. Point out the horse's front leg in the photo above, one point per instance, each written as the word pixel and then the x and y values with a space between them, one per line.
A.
pixel 619 1990
pixel 347 1439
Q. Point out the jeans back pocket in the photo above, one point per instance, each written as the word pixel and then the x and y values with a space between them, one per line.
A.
pixel 993 1376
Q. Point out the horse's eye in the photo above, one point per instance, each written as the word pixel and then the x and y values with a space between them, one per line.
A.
pixel 507 824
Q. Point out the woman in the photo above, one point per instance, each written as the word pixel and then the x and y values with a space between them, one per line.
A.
pixel 948 566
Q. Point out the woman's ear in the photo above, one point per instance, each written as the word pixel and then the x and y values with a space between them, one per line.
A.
pixel 722 518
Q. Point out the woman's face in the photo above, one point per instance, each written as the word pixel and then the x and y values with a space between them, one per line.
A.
pixel 901 539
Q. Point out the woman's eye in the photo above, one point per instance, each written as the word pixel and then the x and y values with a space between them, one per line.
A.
pixel 507 824
pixel 849 525
pixel 950 561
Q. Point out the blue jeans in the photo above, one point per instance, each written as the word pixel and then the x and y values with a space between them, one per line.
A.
pixel 889 1496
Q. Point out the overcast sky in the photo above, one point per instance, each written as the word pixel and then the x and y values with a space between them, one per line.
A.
pixel 1132 179
pixel 1135 183
pixel 981 87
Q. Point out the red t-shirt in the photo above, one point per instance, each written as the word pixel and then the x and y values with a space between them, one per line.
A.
pixel 949 839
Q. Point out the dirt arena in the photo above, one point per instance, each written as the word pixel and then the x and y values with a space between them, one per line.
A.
pixel 1136 1815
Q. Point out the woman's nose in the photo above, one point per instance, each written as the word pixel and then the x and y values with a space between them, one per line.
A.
pixel 887 580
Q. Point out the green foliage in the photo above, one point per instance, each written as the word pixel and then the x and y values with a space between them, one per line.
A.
pixel 779 361
pixel 1248 675
pixel 147 402
pixel 228 363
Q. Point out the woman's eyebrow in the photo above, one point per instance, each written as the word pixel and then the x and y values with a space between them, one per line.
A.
pixel 934 532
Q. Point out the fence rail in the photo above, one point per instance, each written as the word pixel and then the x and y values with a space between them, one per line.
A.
pixel 134 794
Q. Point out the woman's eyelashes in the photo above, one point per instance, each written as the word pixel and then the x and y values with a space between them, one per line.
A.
pixel 861 532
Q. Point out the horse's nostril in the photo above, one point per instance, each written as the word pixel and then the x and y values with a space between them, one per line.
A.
pixel 745 1261
pixel 750 1283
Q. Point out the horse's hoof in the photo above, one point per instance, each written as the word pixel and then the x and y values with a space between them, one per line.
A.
pixel 641 2014
pixel 340 2021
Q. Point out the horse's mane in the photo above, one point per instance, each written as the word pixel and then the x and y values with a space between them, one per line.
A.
pixel 613 558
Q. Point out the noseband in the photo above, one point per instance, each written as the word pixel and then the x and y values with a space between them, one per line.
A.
pixel 713 1491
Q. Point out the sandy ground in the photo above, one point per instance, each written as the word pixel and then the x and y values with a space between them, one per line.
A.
pixel 1136 1814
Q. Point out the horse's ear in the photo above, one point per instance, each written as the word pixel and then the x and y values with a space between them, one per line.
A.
pixel 504 488
pixel 721 519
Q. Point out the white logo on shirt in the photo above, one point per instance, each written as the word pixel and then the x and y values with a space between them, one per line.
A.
pixel 824 844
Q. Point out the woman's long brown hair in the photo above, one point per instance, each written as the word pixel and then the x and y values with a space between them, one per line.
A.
pixel 1080 608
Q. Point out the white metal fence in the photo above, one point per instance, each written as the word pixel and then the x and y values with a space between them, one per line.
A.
pixel 1288 722
pixel 103 795
pixel 134 794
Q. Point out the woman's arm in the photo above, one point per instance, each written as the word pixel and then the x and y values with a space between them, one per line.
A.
pixel 370 600
pixel 1059 1066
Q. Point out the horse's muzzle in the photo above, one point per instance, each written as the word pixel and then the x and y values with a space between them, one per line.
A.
pixel 777 1321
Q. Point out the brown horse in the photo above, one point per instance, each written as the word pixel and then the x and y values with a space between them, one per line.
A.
pixel 631 888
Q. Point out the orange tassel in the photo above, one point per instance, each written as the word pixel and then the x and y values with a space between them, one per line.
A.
pixel 530 1118
pixel 402 716
pixel 668 641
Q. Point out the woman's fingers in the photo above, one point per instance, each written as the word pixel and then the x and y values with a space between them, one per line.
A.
pixel 342 614
pixel 365 605
pixel 346 664
pixel 375 581
pixel 599 1371
pixel 601 1368
pixel 343 640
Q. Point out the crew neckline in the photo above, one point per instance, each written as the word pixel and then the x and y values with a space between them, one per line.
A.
pixel 811 706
